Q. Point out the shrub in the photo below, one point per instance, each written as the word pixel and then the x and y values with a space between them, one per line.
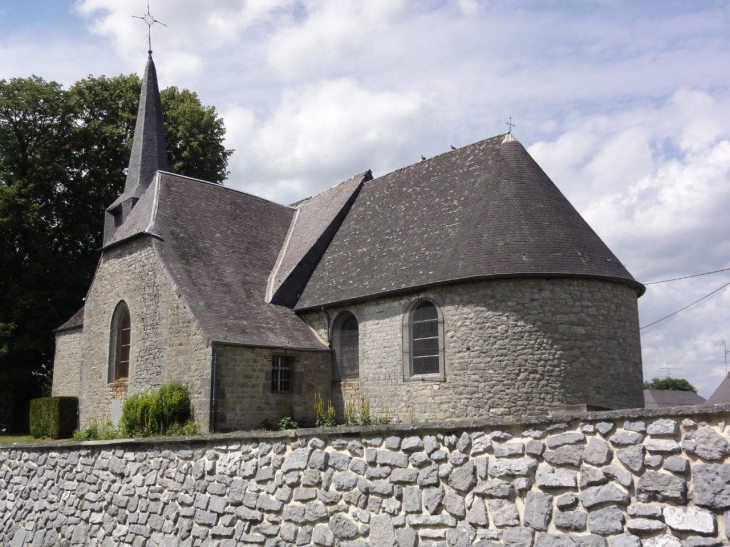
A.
pixel 325 416
pixel 287 423
pixel 96 432
pixel 164 411
pixel 54 417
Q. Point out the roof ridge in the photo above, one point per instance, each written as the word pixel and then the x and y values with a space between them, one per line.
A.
pixel 460 148
pixel 361 175
pixel 221 185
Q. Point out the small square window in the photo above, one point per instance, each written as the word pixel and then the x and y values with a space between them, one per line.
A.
pixel 281 366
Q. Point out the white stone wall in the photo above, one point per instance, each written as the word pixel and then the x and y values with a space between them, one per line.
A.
pixel 513 346
pixel 618 479
pixel 165 343
pixel 67 363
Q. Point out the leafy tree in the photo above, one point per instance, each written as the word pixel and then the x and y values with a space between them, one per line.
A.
pixel 63 155
pixel 671 384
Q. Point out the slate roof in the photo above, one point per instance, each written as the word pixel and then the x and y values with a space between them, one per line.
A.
pixel 657 398
pixel 76 321
pixel 315 223
pixel 140 219
pixel 149 152
pixel 722 393
pixel 219 246
pixel 486 210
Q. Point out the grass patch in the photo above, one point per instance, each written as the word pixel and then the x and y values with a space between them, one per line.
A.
pixel 12 439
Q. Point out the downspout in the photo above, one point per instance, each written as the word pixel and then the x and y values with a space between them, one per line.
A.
pixel 213 389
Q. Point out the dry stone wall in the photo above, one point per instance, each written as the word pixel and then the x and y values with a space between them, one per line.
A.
pixel 615 479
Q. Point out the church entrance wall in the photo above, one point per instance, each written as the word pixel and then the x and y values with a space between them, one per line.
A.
pixel 511 346
pixel 250 390
pixel 165 344
pixel 67 363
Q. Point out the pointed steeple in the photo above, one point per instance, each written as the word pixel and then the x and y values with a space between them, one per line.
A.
pixel 149 153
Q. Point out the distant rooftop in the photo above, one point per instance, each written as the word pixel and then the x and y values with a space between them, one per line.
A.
pixel 658 398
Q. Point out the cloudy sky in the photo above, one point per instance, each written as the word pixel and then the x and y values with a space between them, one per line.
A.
pixel 626 105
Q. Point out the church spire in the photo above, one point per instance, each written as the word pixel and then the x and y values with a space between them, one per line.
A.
pixel 149 153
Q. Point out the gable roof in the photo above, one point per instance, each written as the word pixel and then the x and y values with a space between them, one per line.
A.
pixel 486 210
pixel 219 246
pixel 315 223
pixel 722 393
pixel 656 398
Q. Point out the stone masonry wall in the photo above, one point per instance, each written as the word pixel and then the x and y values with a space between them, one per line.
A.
pixel 244 397
pixel 67 363
pixel 512 347
pixel 615 479
pixel 165 344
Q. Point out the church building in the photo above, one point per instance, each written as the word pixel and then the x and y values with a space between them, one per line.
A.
pixel 463 286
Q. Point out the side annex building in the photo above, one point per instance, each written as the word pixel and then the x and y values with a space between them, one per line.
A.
pixel 465 285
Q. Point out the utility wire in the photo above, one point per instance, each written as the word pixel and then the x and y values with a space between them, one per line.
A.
pixel 686 307
pixel 686 277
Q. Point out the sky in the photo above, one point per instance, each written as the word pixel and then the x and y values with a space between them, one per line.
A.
pixel 625 105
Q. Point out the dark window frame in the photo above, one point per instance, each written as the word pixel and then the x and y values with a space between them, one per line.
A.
pixel 282 368
pixel 120 343
pixel 423 331
pixel 346 343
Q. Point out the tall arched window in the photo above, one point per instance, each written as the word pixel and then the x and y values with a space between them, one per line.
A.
pixel 120 339
pixel 423 341
pixel 347 347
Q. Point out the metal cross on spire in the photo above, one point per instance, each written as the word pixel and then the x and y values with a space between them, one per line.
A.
pixel 149 21
pixel 510 125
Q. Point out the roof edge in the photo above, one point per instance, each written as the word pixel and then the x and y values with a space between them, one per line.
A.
pixel 638 287
pixel 222 186
pixel 71 327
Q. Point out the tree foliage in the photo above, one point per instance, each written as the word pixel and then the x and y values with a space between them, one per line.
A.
pixel 671 384
pixel 63 155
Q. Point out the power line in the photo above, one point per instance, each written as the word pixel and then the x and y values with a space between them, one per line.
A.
pixel 686 307
pixel 686 277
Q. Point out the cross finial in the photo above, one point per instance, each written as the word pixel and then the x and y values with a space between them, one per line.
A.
pixel 510 125
pixel 149 21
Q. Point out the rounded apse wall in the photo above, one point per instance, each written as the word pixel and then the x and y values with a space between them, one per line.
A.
pixel 509 347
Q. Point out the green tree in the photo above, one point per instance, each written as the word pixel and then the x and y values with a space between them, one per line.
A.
pixel 671 384
pixel 62 159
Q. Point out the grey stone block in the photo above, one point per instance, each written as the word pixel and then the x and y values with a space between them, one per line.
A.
pixel 606 521
pixel 625 540
pixel 707 444
pixel 570 437
pixel 518 537
pixel 503 513
pixel 575 521
pixel 644 525
pixel 632 457
pixel 663 427
pixel 552 477
pixel 659 486
pixel 606 493
pixel 565 455
pixel 597 452
pixel 626 438
pixel 663 540
pixel 676 464
pixel 538 511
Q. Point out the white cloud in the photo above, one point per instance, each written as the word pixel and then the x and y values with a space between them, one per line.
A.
pixel 320 134
pixel 655 184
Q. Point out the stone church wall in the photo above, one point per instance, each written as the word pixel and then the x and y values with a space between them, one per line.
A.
pixel 243 379
pixel 165 344
pixel 512 346
pixel 657 478
pixel 67 363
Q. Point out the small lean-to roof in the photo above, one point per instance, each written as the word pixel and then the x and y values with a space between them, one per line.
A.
pixel 482 211
pixel 314 225
pixel 657 398
pixel 218 246
pixel 722 393
pixel 75 322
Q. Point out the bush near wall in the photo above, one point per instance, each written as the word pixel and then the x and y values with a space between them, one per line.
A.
pixel 157 412
pixel 54 417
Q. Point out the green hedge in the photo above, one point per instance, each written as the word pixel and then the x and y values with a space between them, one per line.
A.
pixel 54 417
pixel 156 412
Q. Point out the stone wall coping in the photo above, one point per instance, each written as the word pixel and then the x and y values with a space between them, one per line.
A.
pixel 425 427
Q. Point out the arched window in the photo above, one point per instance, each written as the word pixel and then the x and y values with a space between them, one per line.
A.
pixel 347 347
pixel 423 341
pixel 119 343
